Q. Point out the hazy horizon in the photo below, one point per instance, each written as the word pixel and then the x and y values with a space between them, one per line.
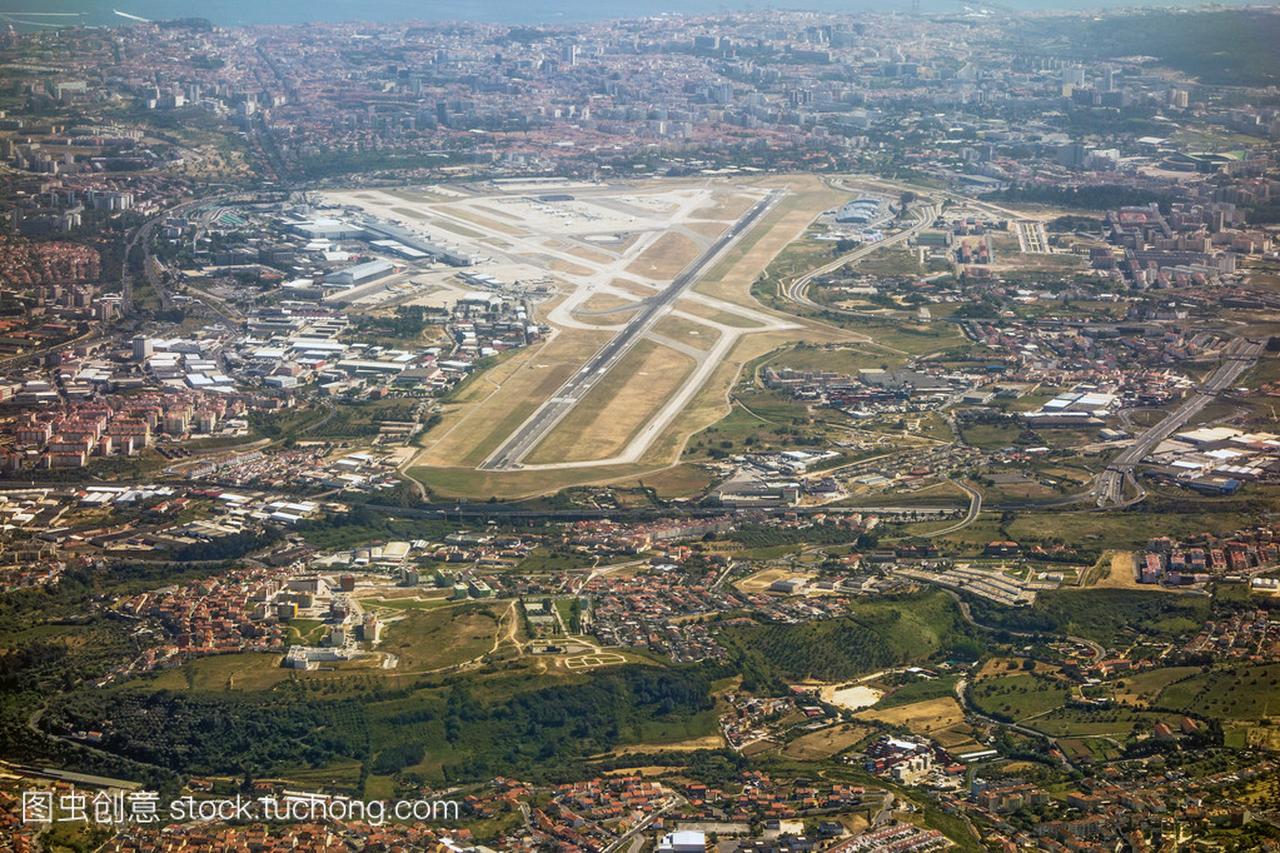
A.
pixel 239 12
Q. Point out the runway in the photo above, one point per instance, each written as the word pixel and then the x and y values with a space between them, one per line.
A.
pixel 529 434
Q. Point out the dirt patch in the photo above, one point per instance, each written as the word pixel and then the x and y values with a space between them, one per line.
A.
pixel 925 717
pixel 822 744
pixel 705 742
pixel 762 580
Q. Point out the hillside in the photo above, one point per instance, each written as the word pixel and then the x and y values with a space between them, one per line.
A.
pixel 886 632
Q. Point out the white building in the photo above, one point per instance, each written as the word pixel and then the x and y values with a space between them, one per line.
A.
pixel 683 841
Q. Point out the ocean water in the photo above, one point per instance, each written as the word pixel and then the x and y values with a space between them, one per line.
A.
pixel 30 14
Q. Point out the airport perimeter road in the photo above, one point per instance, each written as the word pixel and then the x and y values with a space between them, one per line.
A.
pixel 550 413
pixel 1239 356
pixel 797 291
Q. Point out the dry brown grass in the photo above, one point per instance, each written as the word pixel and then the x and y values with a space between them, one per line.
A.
pixel 468 215
pixel 602 302
pixel 638 290
pixel 1119 573
pixel 494 211
pixel 998 666
pixel 715 315
pixel 619 405
pixel 761 580
pixel 707 229
pixel 687 332
pixel 956 739
pixel 594 256
pixel 563 266
pixel 456 481
pixel 492 406
pixel 669 254
pixel 824 743
pixel 728 207
pixel 730 280
pixel 925 717
pixel 693 745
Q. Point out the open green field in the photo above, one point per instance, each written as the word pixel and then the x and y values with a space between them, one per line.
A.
pixel 1234 692
pixel 1100 722
pixel 341 776
pixel 426 640
pixel 1018 697
pixel 240 671
pixel 890 262
pixel 1144 688
pixel 305 632
pixel 1090 748
pixel 846 360
pixel 678 481
pixel 914 339
pixel 919 691
pixel 881 633
pixel 1086 530
pixel 990 436
pixel 758 421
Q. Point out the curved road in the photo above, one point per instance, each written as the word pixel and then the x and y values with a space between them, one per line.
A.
pixel 1238 356
pixel 796 291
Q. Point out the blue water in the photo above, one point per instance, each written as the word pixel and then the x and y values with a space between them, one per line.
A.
pixel 235 12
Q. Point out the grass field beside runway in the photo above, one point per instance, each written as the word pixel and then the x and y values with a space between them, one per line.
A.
pixel 688 332
pixel 494 404
pixel 618 406
pixel 664 260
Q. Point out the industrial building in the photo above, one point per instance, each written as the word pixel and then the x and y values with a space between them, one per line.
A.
pixel 360 273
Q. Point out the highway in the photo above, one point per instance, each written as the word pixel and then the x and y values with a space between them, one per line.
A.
pixel 551 412
pixel 1239 355
pixel 975 509
pixel 142 236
